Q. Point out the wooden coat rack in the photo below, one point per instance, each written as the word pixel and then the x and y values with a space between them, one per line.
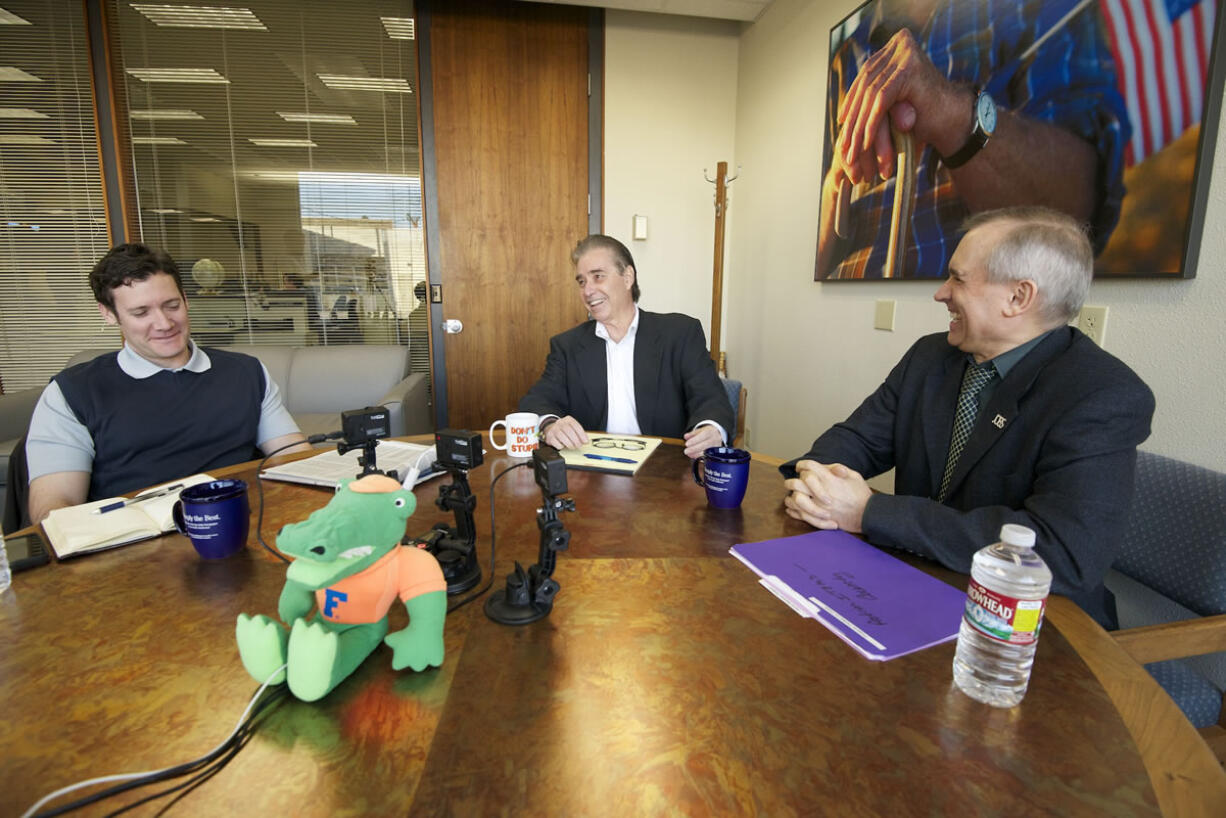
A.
pixel 721 182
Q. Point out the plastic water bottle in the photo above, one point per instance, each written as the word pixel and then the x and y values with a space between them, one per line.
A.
pixel 6 577
pixel 1004 610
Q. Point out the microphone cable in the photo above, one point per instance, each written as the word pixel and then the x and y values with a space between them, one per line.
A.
pixel 493 541
pixel 207 771
pixel 127 781
pixel 259 486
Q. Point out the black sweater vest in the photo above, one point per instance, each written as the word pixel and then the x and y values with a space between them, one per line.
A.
pixel 172 424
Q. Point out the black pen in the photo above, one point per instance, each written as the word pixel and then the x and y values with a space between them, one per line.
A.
pixel 606 457
pixel 118 504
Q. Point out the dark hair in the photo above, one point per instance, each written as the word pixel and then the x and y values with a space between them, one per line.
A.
pixel 621 256
pixel 127 263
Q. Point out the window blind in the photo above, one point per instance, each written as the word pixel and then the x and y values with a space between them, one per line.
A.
pixel 52 214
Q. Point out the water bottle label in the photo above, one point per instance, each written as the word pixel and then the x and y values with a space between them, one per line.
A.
pixel 1003 618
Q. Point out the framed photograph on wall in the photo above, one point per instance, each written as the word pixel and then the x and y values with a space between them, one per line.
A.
pixel 1107 109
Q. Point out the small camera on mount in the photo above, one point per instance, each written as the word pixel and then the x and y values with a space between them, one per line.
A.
pixel 363 429
pixel 455 547
pixel 549 469
pixel 528 595
pixel 458 449
pixel 361 425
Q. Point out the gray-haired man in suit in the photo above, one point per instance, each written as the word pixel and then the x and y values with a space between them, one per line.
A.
pixel 1011 417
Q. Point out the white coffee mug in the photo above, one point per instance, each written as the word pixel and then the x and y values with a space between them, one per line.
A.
pixel 521 433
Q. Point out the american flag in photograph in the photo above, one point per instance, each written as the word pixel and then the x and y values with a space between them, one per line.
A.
pixel 1161 50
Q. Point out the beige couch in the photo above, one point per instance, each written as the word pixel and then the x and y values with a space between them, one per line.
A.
pixel 317 383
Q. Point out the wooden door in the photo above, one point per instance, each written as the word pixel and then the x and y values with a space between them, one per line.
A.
pixel 510 99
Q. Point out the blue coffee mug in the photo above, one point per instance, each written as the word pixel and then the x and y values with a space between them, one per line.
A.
pixel 215 516
pixel 724 472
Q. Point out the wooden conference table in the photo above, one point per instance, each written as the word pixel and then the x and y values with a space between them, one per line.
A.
pixel 666 681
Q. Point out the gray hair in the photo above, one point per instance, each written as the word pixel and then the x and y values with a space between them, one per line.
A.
pixel 1050 248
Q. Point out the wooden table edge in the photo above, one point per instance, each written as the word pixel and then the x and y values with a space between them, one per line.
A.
pixel 1187 778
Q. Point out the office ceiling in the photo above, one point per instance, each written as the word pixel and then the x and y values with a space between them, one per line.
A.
pixel 278 70
pixel 745 10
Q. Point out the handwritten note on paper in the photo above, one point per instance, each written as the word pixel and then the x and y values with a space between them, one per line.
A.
pixel 878 604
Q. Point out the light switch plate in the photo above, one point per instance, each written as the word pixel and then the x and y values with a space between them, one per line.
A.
pixel 640 228
pixel 883 317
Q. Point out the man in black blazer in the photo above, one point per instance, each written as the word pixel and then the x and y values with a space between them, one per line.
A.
pixel 1052 445
pixel 627 371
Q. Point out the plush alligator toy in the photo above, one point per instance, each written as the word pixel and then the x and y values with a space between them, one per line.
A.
pixel 349 565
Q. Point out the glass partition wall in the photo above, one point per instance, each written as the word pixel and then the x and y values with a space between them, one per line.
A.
pixel 274 154
pixel 270 148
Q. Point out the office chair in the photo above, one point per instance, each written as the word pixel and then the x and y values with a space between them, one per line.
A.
pixel 737 395
pixel 16 490
pixel 1170 587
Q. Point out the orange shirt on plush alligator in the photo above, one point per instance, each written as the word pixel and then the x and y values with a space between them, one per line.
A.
pixel 349 566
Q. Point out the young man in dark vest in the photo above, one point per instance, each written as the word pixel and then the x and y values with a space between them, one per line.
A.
pixel 159 408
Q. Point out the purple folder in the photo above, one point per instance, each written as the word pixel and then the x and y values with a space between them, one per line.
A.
pixel 876 603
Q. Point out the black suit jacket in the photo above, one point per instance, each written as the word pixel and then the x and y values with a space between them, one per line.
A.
pixel 1054 450
pixel 675 385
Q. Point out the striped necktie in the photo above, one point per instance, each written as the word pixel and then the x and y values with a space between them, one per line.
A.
pixel 974 380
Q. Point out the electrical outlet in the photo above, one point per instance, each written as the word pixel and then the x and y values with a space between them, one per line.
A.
pixel 1093 322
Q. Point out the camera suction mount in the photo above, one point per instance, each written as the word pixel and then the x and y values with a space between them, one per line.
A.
pixel 528 595
pixel 455 547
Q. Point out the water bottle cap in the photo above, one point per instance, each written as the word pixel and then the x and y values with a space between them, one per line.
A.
pixel 1012 534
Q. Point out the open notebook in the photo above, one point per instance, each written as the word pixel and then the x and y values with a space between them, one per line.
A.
pixel 82 529
pixel 328 468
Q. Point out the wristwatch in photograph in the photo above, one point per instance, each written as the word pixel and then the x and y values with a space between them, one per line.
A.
pixel 985 125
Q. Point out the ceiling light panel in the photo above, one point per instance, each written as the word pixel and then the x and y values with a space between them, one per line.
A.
pixel 271 175
pixel 322 119
pixel 393 85
pixel 188 75
pixel 21 113
pixel 399 28
pixel 23 139
pixel 283 143
pixel 164 113
pixel 171 16
pixel 157 140
pixel 164 211
pixel 7 18
pixel 9 73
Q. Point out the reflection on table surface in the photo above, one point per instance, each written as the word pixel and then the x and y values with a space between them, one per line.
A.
pixel 665 681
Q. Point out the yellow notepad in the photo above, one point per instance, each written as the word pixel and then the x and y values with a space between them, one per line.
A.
pixel 619 454
pixel 81 530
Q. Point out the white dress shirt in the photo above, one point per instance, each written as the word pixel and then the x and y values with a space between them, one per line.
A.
pixel 619 368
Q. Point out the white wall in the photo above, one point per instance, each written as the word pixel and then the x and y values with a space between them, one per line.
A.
pixel 807 351
pixel 670 111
